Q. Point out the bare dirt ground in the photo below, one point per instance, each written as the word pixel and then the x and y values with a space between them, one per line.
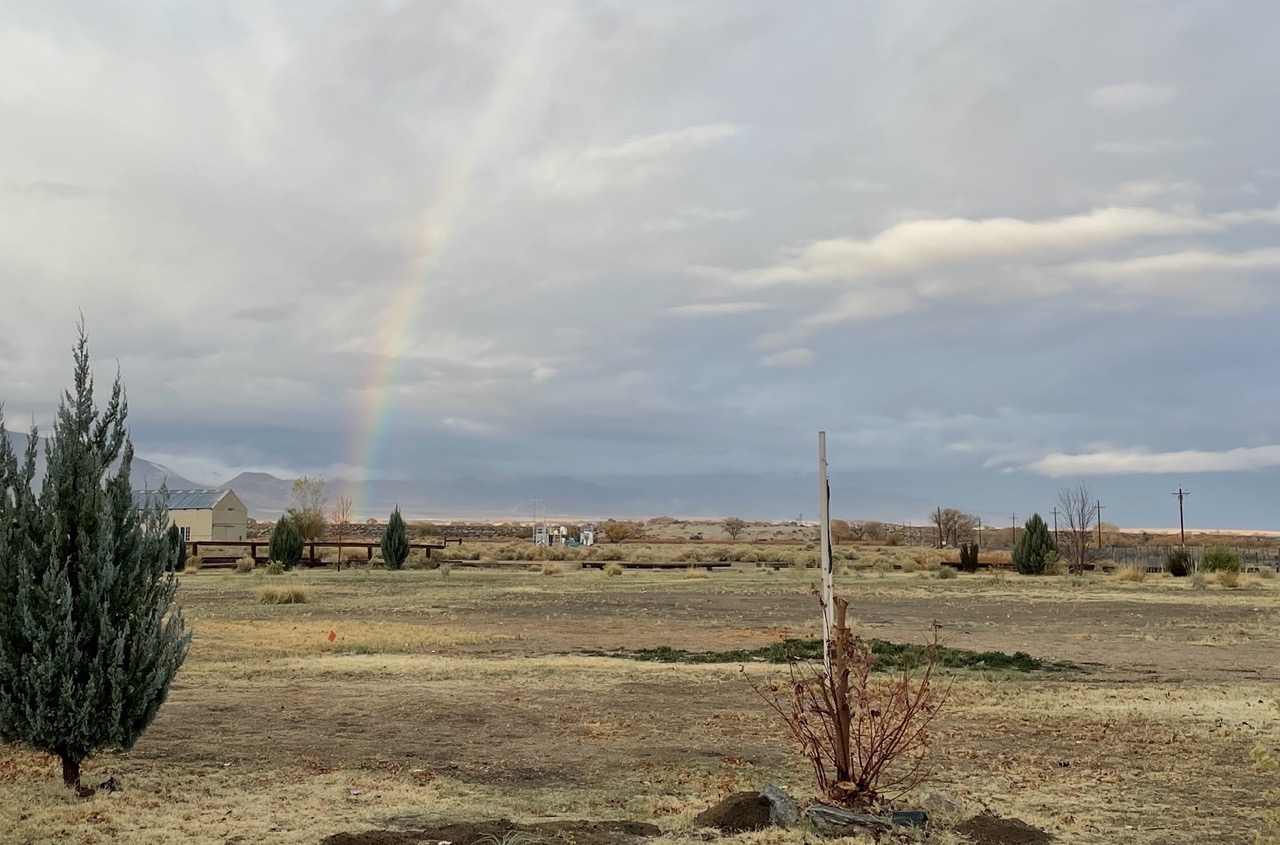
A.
pixel 460 698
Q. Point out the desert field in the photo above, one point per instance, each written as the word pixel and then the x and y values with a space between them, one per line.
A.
pixel 397 701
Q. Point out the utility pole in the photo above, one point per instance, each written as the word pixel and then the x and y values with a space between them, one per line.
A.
pixel 1055 526
pixel 1182 528
pixel 824 540
pixel 1013 537
pixel 979 532
pixel 1098 505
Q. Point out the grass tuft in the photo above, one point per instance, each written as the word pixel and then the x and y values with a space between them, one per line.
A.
pixel 612 569
pixel 283 595
pixel 1135 574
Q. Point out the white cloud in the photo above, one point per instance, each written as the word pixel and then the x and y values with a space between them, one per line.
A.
pixel 1130 95
pixel 585 172
pixel 1190 261
pixel 1145 190
pixel 798 357
pixel 916 245
pixel 1139 460
pixel 1151 146
pixel 716 309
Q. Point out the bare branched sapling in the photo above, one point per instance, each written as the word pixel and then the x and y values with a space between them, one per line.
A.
pixel 867 738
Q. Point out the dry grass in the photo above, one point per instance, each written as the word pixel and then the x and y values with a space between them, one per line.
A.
pixel 1132 574
pixel 244 564
pixel 613 569
pixel 283 595
pixel 552 569
pixel 693 573
pixel 274 733
pixel 1227 578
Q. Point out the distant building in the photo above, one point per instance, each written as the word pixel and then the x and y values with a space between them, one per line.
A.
pixel 587 535
pixel 203 515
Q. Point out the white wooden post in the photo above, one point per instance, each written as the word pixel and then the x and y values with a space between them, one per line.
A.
pixel 824 535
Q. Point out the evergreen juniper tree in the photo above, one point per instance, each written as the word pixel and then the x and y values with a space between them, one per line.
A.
pixel 395 542
pixel 1033 547
pixel 178 545
pixel 90 638
pixel 286 542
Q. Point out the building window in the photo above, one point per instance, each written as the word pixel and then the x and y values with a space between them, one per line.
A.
pixel 185 531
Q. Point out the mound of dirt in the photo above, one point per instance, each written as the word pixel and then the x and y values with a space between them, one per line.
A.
pixel 989 830
pixel 740 812
pixel 469 833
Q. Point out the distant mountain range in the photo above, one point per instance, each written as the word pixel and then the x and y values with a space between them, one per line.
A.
pixel 144 475
pixel 561 497
pixel 712 495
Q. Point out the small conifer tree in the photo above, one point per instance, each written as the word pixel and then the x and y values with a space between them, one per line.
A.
pixel 90 638
pixel 286 543
pixel 395 542
pixel 179 547
pixel 1031 552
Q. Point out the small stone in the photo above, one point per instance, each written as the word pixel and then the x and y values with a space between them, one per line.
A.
pixel 783 810
pixel 941 804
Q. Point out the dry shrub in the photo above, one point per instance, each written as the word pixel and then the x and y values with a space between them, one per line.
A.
pixel 552 569
pixel 693 572
pixel 244 564
pixel 193 565
pixel 534 567
pixel 612 569
pixel 283 595
pixel 1229 579
pixel 1136 574
pixel 1266 573
pixel 947 572
pixel 868 739
pixel 275 567
pixel 1198 581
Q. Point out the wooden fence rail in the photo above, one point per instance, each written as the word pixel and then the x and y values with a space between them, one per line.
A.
pixel 310 558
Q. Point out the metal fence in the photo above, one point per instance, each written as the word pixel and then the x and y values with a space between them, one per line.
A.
pixel 1155 558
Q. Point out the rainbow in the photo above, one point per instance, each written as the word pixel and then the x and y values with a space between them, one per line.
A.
pixel 394 332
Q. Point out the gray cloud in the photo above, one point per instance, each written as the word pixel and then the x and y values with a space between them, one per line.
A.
pixel 676 240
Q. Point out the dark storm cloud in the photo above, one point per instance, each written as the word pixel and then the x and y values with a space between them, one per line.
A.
pixel 676 239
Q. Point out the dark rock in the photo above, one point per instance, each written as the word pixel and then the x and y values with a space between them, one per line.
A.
pixel 908 818
pixel 783 809
pixel 989 830
pixel 740 812
pixel 839 821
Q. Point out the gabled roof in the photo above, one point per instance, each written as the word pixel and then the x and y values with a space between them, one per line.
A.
pixel 181 500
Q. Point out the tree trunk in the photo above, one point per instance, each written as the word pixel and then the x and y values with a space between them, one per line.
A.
pixel 70 772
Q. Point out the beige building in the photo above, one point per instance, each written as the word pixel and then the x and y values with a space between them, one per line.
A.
pixel 204 515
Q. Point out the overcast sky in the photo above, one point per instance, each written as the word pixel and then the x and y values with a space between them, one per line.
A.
pixel 1006 242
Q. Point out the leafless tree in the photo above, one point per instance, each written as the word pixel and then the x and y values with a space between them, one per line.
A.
pixel 1077 511
pixel 868 739
pixel 857 529
pixel 340 523
pixel 952 525
pixel 616 531
pixel 874 529
pixel 307 501
pixel 841 531
pixel 733 526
